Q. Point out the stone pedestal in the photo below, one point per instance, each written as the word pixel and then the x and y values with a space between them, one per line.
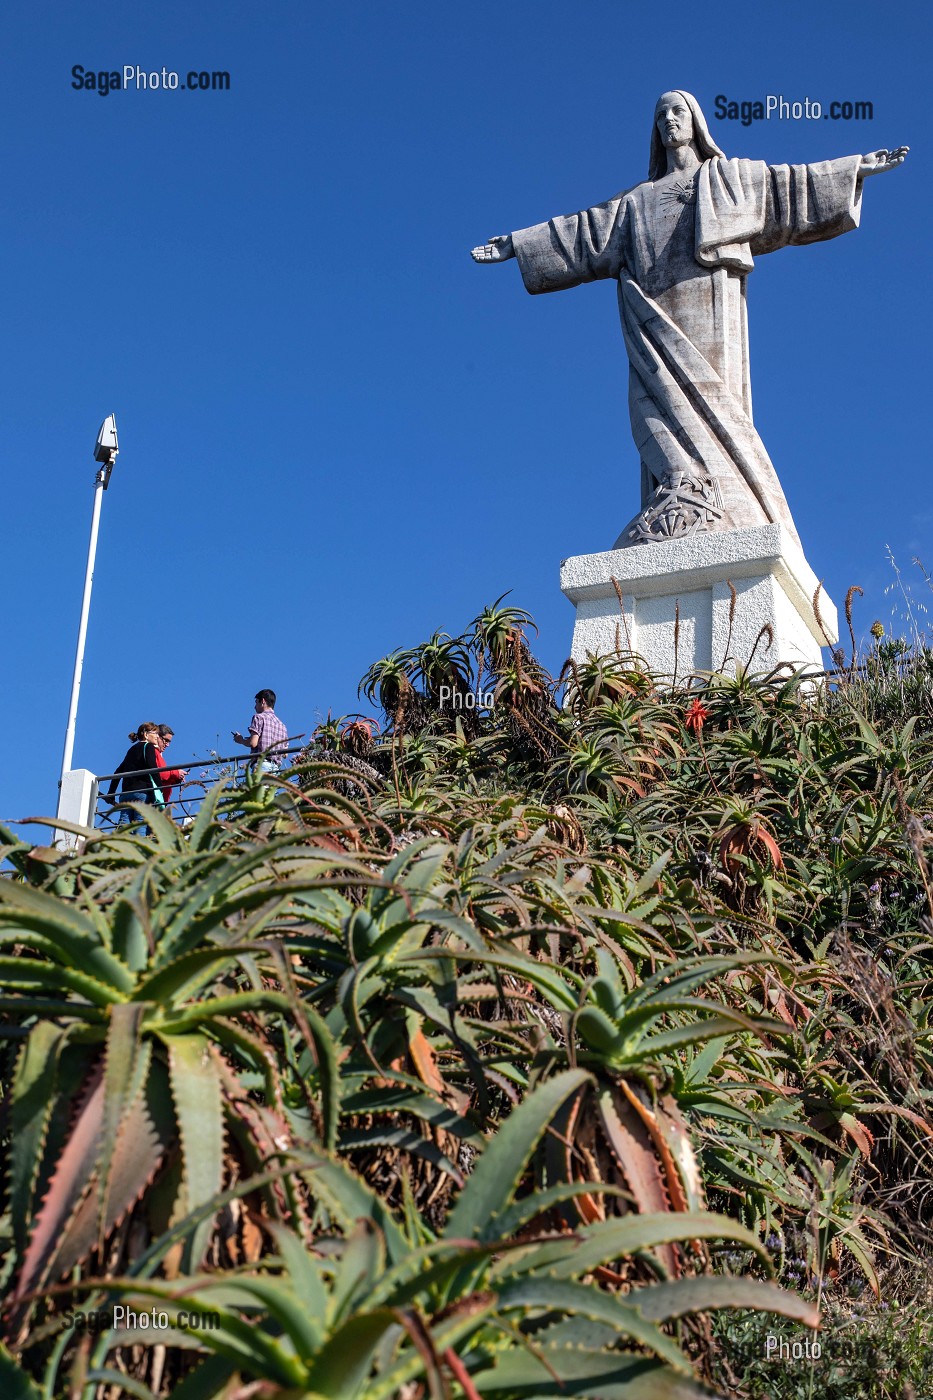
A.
pixel 679 589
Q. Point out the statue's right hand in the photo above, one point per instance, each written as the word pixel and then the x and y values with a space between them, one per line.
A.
pixel 498 249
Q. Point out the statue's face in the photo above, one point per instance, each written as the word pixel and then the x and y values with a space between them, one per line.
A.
pixel 673 119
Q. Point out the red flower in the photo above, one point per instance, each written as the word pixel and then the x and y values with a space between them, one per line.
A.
pixel 696 716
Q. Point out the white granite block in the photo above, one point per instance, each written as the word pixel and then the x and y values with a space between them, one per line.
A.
pixel 679 589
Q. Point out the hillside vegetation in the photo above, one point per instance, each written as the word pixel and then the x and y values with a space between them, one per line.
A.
pixel 529 1049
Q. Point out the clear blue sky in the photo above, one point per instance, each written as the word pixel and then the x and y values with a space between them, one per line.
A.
pixel 337 433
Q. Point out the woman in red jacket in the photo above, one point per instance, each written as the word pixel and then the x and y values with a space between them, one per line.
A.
pixel 168 777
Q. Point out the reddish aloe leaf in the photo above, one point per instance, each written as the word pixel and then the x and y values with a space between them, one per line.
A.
pixel 138 1153
pixel 672 1125
pixel 742 838
pixel 637 1100
pixel 771 846
pixel 860 1135
pixel 125 1072
pixel 425 1064
pixel 262 1135
pixel 71 1179
pixel 637 1160
pixel 901 1112
pixel 565 1143
pixel 32 1101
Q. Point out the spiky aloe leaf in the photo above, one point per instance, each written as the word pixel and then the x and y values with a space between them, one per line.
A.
pixel 32 1098
pixel 416 867
pixel 252 1348
pixel 516 1216
pixel 322 1047
pixel 229 891
pixel 557 984
pixel 208 1382
pixel 77 937
pixel 361 1265
pixel 576 1372
pixel 109 1376
pixel 275 1296
pixel 126 1068
pixel 129 927
pixel 139 1148
pixel 196 1091
pixel 31 974
pixel 405 1140
pixel 427 1271
pixel 583 1301
pixel 503 1162
pixel 70 1181
pixel 450 1335
pixel 14 1382
pixel 637 1159
pixel 165 835
pixel 12 842
pixel 186 975
pixel 398 1099
pixel 203 829
pixel 328 1070
pixel 23 1007
pixel 608 1240
pixel 304 1273
pixel 650 878
pixel 664 1301
pixel 349 1200
pixel 341 1369
pixel 67 1085
pixel 676 1136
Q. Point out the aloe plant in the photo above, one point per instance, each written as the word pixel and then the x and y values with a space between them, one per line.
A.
pixel 688 931
pixel 491 1303
pixel 143 1016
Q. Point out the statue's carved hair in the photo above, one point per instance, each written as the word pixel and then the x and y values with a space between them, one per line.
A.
pixel 705 145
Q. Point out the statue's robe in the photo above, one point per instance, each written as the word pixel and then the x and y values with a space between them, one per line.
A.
pixel 681 249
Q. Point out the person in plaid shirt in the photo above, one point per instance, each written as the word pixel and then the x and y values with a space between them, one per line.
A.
pixel 267 735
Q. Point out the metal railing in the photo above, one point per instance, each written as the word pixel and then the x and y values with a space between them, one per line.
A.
pixel 183 807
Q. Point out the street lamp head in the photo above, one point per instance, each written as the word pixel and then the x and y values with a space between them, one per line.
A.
pixel 107 448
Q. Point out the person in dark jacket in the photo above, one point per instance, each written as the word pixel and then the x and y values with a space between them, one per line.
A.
pixel 138 774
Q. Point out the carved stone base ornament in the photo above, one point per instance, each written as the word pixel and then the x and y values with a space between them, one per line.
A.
pixel 683 505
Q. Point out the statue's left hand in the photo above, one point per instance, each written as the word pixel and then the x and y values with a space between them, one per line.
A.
pixel 877 162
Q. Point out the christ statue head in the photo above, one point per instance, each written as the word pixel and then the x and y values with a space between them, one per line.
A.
pixel 678 121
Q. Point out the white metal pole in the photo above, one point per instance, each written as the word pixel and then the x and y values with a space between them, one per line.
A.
pixel 82 626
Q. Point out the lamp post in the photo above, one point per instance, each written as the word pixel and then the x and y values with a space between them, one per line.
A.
pixel 105 453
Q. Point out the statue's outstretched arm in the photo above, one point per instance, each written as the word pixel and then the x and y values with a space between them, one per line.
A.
pixel 498 249
pixel 877 162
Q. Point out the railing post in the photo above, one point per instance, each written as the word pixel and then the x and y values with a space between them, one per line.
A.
pixel 77 800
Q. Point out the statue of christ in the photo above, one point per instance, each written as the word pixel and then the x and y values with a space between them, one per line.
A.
pixel 681 246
